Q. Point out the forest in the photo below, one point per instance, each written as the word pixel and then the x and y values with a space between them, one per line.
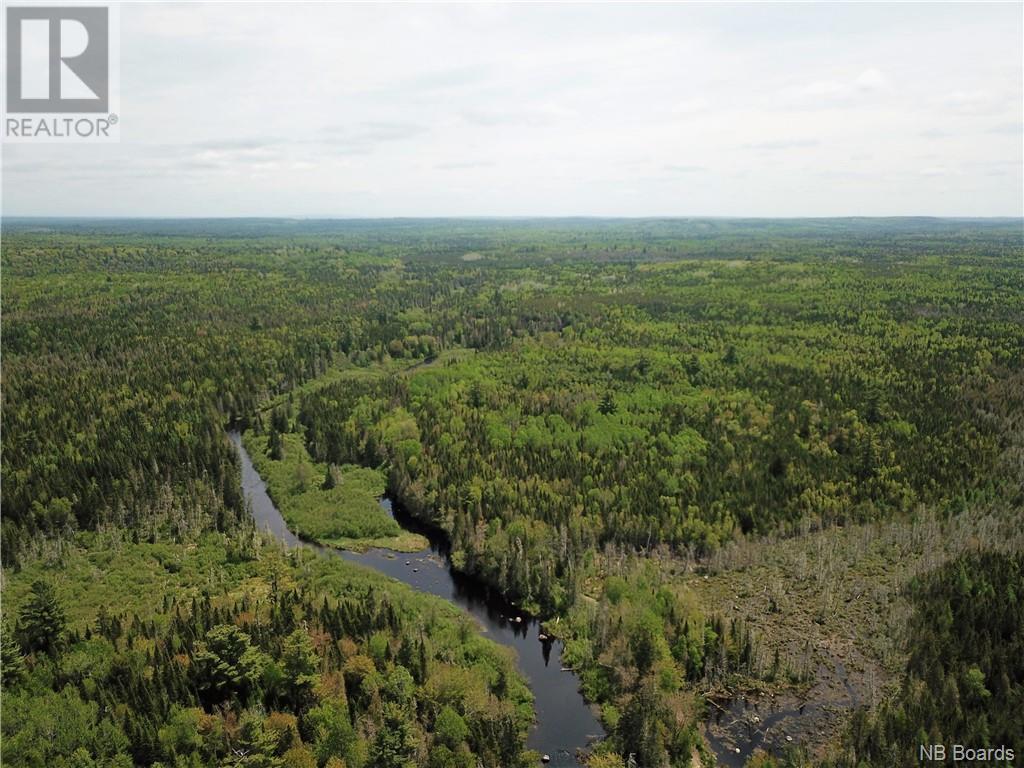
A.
pixel 601 417
pixel 280 662
pixel 962 683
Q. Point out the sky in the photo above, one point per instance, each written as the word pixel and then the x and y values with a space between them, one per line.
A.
pixel 334 110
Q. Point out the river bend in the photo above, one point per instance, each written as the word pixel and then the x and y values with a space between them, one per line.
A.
pixel 564 721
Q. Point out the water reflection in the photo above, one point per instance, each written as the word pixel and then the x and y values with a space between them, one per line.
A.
pixel 564 722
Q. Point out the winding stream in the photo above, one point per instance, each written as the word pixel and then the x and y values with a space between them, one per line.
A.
pixel 564 721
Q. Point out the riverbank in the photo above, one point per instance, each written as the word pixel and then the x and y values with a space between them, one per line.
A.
pixel 345 515
pixel 381 657
pixel 565 724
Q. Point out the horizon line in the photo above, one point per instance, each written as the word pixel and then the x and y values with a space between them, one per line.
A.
pixel 507 217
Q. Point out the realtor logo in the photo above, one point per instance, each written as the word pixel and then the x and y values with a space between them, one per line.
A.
pixel 58 60
pixel 63 74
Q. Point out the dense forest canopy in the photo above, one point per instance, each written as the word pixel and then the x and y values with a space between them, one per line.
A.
pixel 965 669
pixel 281 661
pixel 556 396
pixel 845 362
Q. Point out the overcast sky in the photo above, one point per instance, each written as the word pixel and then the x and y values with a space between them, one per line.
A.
pixel 678 110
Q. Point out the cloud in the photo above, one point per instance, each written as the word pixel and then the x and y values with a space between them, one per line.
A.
pixel 237 143
pixel 838 91
pixel 690 106
pixel 300 110
pixel 461 165
pixel 1011 128
pixel 30 166
pixel 449 79
pixel 200 165
pixel 364 138
pixel 779 145
pixel 817 90
pixel 526 115
pixel 685 168
pixel 971 102
pixel 871 80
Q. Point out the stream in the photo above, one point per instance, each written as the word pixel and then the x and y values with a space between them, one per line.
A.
pixel 564 721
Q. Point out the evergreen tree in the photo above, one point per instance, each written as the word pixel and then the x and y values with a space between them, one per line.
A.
pixel 607 405
pixel 279 420
pixel 301 667
pixel 275 448
pixel 476 395
pixel 227 664
pixel 330 481
pixel 12 663
pixel 43 621
pixel 256 744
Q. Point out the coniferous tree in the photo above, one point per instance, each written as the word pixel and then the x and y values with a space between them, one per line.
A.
pixel 330 481
pixel 607 405
pixel 227 664
pixel 275 448
pixel 301 667
pixel 43 621
pixel 12 663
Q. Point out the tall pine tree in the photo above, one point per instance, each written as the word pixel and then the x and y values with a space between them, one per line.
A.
pixel 43 621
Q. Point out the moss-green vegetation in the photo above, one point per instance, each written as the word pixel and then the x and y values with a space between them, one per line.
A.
pixel 688 406
pixel 285 660
pixel 108 570
pixel 591 410
pixel 347 514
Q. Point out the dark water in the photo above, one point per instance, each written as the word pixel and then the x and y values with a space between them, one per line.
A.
pixel 564 721
pixel 749 724
pixel 775 724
